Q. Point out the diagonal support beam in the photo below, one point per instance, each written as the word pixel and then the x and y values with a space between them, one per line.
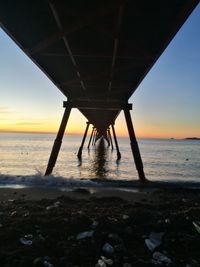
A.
pixel 116 44
pixel 58 142
pixel 94 137
pixel 134 146
pixel 116 143
pixel 101 75
pixel 59 24
pixel 110 137
pixel 91 138
pixel 85 20
pixel 79 155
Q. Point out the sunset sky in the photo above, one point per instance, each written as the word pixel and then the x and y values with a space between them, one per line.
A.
pixel 166 104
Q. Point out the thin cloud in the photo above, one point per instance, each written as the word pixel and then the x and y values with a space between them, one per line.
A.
pixel 5 110
pixel 27 123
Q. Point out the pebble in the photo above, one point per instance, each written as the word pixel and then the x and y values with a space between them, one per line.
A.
pixel 101 263
pixel 160 259
pixel 85 235
pixel 125 217
pixel 38 262
pixel 108 248
pixel 13 213
pixel 26 242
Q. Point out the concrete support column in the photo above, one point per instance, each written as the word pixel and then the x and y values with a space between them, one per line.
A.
pixel 94 137
pixel 79 155
pixel 116 143
pixel 91 138
pixel 134 146
pixel 58 142
pixel 110 137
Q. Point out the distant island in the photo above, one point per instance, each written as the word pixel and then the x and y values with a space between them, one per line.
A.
pixel 192 138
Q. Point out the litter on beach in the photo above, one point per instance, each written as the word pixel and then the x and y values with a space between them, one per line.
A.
pixel 197 226
pixel 26 240
pixel 160 259
pixel 85 235
pixel 108 248
pixel 154 240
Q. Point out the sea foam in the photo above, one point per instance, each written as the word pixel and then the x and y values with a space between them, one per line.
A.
pixel 45 181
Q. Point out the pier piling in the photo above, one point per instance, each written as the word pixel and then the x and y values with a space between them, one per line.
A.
pixel 58 142
pixel 134 146
pixel 91 138
pixel 79 155
pixel 116 143
pixel 110 137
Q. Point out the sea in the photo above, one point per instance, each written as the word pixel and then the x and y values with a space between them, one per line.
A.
pixel 24 157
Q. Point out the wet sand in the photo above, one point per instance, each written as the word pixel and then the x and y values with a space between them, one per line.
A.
pixel 48 227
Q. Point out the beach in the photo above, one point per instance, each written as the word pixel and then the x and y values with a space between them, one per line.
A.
pixel 99 227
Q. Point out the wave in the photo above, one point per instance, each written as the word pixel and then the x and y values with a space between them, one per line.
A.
pixel 61 182
pixel 45 181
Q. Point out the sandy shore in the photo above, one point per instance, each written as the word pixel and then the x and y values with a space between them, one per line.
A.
pixel 99 227
pixel 39 193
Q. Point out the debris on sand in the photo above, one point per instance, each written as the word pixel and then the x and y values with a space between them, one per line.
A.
pixel 154 240
pixel 85 235
pixel 93 232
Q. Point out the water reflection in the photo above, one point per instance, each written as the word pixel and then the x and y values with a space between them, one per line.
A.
pixel 99 166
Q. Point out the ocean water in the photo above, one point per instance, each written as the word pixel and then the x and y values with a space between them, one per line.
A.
pixel 23 160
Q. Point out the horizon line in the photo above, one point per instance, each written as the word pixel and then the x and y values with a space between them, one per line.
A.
pixel 72 133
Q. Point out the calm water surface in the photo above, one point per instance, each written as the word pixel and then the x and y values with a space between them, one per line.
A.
pixel 28 154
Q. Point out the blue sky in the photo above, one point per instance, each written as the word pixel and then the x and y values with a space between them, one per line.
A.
pixel 166 104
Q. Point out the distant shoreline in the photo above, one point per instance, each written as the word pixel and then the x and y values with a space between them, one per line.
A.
pixel 120 136
pixel 192 138
pixel 186 138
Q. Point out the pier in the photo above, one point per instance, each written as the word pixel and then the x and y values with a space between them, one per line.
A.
pixel 96 53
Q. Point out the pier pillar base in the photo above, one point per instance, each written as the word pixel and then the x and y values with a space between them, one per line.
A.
pixel 134 146
pixel 90 138
pixel 110 137
pixel 79 155
pixel 116 143
pixel 58 142
pixel 94 137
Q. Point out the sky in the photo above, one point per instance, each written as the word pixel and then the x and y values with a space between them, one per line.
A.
pixel 165 105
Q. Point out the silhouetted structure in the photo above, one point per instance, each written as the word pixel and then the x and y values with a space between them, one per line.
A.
pixel 96 52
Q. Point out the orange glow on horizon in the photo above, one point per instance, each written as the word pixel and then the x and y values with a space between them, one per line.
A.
pixel 77 123
pixel 120 133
